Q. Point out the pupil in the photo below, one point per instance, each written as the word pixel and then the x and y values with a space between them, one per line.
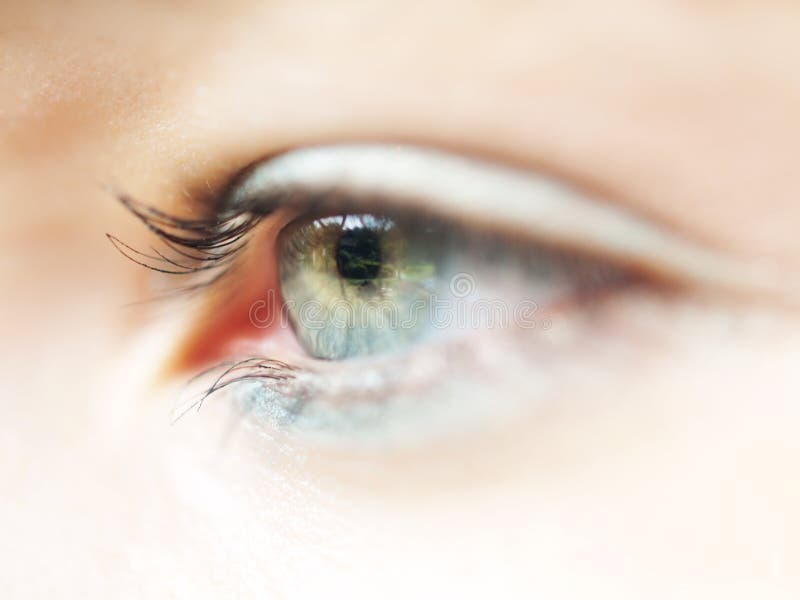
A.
pixel 358 254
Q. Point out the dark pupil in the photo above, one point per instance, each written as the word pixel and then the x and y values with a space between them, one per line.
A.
pixel 358 254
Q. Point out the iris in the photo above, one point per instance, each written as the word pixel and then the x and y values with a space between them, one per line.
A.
pixel 358 284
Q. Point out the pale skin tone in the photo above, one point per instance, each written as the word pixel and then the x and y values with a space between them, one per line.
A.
pixel 676 478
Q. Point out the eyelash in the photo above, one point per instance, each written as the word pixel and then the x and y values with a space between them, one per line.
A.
pixel 198 245
pixel 256 369
pixel 212 246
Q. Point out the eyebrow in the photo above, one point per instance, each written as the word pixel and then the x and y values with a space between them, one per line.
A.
pixel 374 177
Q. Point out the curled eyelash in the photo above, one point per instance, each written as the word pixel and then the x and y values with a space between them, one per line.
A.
pixel 270 389
pixel 284 393
pixel 191 246
pixel 211 245
pixel 273 374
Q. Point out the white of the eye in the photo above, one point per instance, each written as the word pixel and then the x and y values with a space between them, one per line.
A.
pixel 540 207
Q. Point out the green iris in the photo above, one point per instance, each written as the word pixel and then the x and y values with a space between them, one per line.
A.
pixel 357 285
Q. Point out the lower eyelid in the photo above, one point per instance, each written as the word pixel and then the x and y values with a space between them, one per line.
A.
pixel 334 397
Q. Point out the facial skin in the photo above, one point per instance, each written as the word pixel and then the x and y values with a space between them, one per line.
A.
pixel 672 474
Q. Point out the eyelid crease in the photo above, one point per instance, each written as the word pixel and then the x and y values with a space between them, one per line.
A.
pixel 493 195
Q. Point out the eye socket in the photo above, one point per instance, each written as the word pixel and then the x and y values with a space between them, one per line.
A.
pixel 376 251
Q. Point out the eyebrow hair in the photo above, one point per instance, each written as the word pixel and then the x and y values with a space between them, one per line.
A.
pixel 374 177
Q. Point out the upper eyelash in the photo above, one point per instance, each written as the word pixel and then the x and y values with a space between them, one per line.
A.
pixel 206 244
pixel 197 245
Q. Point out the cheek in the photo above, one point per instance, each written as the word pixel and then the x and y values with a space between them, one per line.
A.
pixel 681 470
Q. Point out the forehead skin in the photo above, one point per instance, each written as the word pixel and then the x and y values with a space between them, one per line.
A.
pixel 683 110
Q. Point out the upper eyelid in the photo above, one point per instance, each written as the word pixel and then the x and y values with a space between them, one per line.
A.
pixel 492 195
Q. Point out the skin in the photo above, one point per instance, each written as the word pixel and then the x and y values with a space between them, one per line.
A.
pixel 674 477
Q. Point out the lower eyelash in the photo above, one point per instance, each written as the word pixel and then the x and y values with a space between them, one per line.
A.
pixel 283 391
pixel 269 372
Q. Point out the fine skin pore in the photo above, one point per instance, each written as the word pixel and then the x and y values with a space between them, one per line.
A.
pixel 671 474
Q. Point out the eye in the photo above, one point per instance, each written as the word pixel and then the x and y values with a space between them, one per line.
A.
pixel 408 277
pixel 365 284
